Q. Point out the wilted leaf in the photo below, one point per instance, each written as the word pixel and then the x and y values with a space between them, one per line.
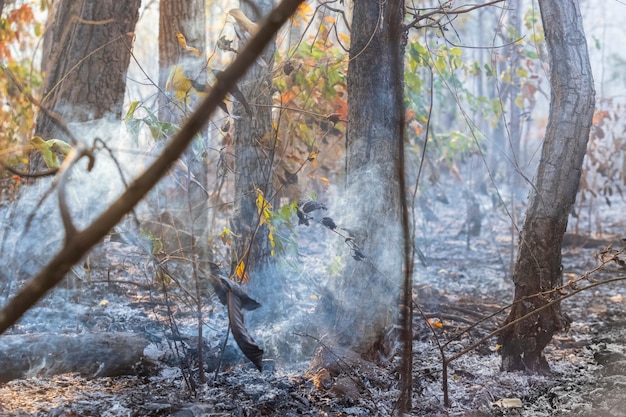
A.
pixel 310 206
pixel 183 43
pixel 288 68
pixel 302 218
pixel 357 254
pixel 328 222
pixel 240 333
pixel 226 236
pixel 223 286
pixel 240 271
pixel 435 323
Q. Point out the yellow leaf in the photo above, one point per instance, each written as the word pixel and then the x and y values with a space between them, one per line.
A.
pixel 325 181
pixel 344 37
pixel 49 157
pixel 301 13
pixel 329 19
pixel 183 42
pixel 179 84
pixel 263 207
pixel 240 271
pixel 226 236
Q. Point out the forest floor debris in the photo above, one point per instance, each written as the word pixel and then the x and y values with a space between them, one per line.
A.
pixel 460 284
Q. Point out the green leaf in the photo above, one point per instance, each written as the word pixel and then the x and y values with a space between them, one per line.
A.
pixel 488 70
pixel 531 54
pixel 45 148
pixel 130 114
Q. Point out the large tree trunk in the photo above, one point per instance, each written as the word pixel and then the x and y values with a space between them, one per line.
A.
pixel 538 267
pixel 369 289
pixel 89 55
pixel 254 148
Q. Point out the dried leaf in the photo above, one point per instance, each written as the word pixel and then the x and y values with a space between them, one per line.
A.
pixel 310 206
pixel 508 403
pixel 328 222
pixel 240 333
pixel 223 286
pixel 357 254
pixel 240 271
pixel 435 323
pixel 226 236
pixel 183 43
pixel 288 68
pixel 302 218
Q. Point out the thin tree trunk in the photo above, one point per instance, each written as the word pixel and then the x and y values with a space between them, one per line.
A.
pixel 254 145
pixel 369 289
pixel 538 266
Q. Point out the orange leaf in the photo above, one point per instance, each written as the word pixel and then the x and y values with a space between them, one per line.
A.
pixel 240 271
pixel 287 96
pixel 325 181
pixel 435 323
pixel 183 42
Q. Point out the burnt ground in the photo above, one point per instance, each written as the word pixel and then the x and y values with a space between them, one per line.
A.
pixel 463 280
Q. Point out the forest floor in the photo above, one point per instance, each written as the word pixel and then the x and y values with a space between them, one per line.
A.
pixel 462 281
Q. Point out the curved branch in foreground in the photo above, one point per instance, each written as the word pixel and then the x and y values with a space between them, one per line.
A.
pixel 76 246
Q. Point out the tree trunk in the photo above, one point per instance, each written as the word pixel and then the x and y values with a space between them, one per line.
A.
pixel 189 18
pixel 538 267
pixel 89 56
pixel 191 212
pixel 254 149
pixel 369 290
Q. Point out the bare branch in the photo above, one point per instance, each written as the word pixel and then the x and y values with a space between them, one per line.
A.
pixel 441 12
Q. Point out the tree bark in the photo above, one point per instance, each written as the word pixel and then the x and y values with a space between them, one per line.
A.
pixel 538 267
pixel 91 355
pixel 254 149
pixel 89 56
pixel 369 289
pixel 189 18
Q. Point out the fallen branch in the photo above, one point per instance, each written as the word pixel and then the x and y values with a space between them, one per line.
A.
pixel 88 354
